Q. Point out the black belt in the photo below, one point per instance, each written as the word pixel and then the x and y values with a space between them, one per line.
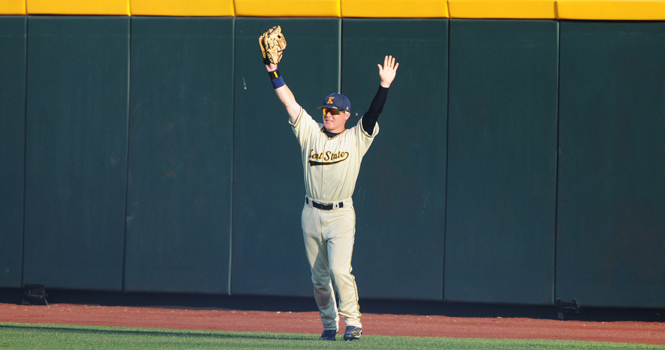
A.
pixel 323 206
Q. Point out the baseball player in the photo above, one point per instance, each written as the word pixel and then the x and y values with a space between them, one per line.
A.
pixel 331 157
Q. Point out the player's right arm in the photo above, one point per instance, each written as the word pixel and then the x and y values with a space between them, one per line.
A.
pixel 284 94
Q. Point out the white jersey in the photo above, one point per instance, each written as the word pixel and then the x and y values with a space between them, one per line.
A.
pixel 331 165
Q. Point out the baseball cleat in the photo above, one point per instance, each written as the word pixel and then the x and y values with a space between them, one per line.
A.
pixel 352 333
pixel 328 334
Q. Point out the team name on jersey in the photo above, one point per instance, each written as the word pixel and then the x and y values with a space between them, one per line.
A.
pixel 327 157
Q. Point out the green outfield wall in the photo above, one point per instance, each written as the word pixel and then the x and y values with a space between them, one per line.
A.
pixel 12 147
pixel 180 155
pixel 519 159
pixel 502 142
pixel 76 151
pixel 611 231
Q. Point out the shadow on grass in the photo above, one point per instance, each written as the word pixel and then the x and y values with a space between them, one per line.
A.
pixel 173 333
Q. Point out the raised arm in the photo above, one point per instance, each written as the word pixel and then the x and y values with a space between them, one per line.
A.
pixel 284 93
pixel 387 74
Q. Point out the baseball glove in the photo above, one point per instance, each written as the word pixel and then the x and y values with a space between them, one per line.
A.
pixel 272 45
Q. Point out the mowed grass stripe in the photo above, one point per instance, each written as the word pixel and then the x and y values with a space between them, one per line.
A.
pixel 48 336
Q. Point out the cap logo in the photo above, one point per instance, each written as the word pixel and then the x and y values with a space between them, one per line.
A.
pixel 330 99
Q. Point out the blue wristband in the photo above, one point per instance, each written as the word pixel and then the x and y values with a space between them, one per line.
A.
pixel 277 83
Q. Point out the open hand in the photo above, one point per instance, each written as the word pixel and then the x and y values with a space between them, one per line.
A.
pixel 388 71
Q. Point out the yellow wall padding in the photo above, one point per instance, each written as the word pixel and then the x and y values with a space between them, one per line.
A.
pixel 638 10
pixel 78 7
pixel 642 10
pixel 12 7
pixel 288 8
pixel 520 9
pixel 395 8
pixel 182 8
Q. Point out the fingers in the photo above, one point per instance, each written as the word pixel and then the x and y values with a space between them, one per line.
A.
pixel 389 62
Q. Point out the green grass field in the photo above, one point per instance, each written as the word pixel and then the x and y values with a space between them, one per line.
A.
pixel 44 336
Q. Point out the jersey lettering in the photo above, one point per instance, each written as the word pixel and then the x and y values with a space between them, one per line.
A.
pixel 327 158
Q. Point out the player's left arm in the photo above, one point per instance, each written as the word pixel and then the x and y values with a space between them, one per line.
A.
pixel 387 74
pixel 285 95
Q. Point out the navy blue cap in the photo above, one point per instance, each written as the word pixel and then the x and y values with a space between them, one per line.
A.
pixel 336 101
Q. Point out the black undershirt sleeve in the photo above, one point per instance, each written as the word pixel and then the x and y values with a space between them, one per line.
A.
pixel 372 115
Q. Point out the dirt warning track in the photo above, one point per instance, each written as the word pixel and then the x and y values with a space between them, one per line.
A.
pixel 309 322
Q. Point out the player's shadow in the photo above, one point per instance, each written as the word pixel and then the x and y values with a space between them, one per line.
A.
pixel 184 334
